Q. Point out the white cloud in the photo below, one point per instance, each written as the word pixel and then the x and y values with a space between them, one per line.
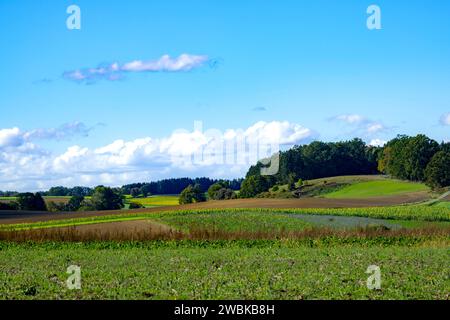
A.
pixel 115 71
pixel 184 62
pixel 374 127
pixel 445 119
pixel 350 118
pixel 361 124
pixel 65 131
pixel 25 166
pixel 14 137
pixel 377 142
pixel 11 137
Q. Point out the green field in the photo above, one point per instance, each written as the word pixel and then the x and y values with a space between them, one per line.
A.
pixel 243 218
pixel 241 254
pixel 376 188
pixel 222 270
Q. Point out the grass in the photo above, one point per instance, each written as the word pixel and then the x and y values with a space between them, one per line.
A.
pixel 222 270
pixel 375 189
pixel 156 201
pixel 443 204
pixel 233 254
pixel 234 221
pixel 231 216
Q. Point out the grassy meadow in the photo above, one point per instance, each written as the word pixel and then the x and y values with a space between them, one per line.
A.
pixel 376 188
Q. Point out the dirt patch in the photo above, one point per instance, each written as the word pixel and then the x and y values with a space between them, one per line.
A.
pixel 11 217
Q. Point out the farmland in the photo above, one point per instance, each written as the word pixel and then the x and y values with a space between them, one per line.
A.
pixel 222 270
pixel 310 248
pixel 376 188
pixel 156 201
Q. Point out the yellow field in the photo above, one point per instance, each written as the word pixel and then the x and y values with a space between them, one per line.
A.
pixel 156 201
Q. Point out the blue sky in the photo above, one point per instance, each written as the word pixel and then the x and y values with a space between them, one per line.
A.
pixel 310 63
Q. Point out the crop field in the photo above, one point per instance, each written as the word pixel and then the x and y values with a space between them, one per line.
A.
pixel 376 188
pixel 47 199
pixel 156 201
pixel 232 254
pixel 223 270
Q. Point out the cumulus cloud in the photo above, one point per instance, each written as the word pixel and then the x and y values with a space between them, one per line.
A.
pixel 14 137
pixel 63 132
pixel 11 137
pixel 377 142
pixel 211 153
pixel 350 118
pixel 116 71
pixel 445 119
pixel 361 124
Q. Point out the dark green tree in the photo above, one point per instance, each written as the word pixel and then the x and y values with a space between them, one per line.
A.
pixel 135 192
pixel 105 198
pixel 74 203
pixel 438 170
pixel 213 189
pixel 224 194
pixel 192 194
pixel 252 186
pixel 31 202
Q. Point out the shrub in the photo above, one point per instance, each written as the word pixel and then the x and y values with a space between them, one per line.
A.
pixel 8 206
pixel 224 194
pixel 30 201
pixel 134 205
pixel 191 194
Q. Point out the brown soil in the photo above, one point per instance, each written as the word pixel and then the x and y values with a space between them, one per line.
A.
pixel 11 217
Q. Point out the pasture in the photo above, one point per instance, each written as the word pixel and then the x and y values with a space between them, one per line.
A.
pixel 376 188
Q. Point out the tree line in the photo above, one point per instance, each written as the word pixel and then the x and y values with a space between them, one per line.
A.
pixel 175 186
pixel 101 198
pixel 416 158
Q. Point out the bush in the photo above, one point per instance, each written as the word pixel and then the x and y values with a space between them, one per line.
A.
pixel 191 194
pixel 56 206
pixel 134 205
pixel 224 194
pixel 8 206
pixel 74 203
pixel 212 190
pixel 31 202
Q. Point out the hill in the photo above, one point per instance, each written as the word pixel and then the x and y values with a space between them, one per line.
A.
pixel 376 188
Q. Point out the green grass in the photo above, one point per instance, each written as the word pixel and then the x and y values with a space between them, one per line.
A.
pixel 253 217
pixel 234 221
pixel 156 201
pixel 376 188
pixel 443 204
pixel 224 270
